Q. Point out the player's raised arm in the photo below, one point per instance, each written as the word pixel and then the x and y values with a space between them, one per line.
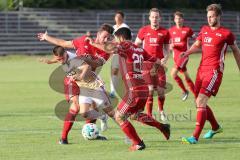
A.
pixel 236 53
pixel 194 48
pixel 55 41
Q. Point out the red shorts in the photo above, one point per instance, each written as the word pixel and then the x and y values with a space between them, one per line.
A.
pixel 158 80
pixel 181 64
pixel 71 88
pixel 134 101
pixel 208 82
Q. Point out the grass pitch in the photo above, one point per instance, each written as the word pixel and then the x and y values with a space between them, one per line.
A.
pixel 29 128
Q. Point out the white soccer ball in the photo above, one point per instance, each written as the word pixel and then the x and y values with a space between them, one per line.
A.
pixel 90 131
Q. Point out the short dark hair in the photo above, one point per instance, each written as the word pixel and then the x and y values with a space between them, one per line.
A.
pixel 155 10
pixel 58 51
pixel 216 8
pixel 106 27
pixel 121 13
pixel 178 13
pixel 124 32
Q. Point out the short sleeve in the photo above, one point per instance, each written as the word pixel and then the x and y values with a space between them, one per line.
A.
pixel 230 39
pixel 167 38
pixel 140 34
pixel 199 36
pixel 190 33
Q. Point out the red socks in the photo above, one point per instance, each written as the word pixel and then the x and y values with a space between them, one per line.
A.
pixel 68 122
pixel 130 132
pixel 180 83
pixel 200 121
pixel 149 105
pixel 211 119
pixel 161 101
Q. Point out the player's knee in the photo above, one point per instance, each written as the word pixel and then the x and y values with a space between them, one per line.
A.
pixel 84 115
pixel 115 71
pixel 201 101
pixel 174 73
pixel 119 118
pixel 133 117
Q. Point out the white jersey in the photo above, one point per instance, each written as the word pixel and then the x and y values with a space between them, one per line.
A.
pixel 71 55
pixel 115 27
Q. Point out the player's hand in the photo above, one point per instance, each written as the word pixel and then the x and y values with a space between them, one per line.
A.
pixel 91 41
pixel 110 48
pixel 183 54
pixel 163 62
pixel 171 46
pixel 43 60
pixel 42 36
pixel 153 71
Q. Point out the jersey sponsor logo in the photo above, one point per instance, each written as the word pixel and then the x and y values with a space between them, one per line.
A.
pixel 177 39
pixel 184 32
pixel 160 34
pixel 153 40
pixel 207 39
pixel 205 33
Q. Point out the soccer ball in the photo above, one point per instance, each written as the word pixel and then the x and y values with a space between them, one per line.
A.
pixel 90 131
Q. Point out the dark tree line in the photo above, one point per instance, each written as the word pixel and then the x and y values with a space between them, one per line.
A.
pixel 129 4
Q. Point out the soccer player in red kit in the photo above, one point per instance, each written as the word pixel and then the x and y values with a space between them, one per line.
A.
pixel 155 40
pixel 131 58
pixel 214 40
pixel 93 56
pixel 179 37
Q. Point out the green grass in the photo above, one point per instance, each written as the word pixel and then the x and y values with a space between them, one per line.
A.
pixel 29 128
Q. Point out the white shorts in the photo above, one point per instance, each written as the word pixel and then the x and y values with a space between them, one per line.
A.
pixel 98 96
pixel 115 61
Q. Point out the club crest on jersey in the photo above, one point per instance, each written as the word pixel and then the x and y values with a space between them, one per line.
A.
pixel 219 34
pixel 207 39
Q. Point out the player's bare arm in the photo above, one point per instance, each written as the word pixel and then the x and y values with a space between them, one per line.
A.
pixel 138 42
pixel 55 41
pixel 83 73
pixel 48 61
pixel 194 48
pixel 236 53
pixel 166 53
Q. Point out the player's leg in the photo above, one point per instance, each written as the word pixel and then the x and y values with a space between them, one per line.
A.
pixel 114 75
pixel 71 90
pixel 209 86
pixel 149 120
pixel 149 103
pixel 189 82
pixel 69 119
pixel 174 74
pixel 124 110
pixel 161 92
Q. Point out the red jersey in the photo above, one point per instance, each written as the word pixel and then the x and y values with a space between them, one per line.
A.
pixel 179 37
pixel 214 47
pixel 153 40
pixel 131 60
pixel 84 48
